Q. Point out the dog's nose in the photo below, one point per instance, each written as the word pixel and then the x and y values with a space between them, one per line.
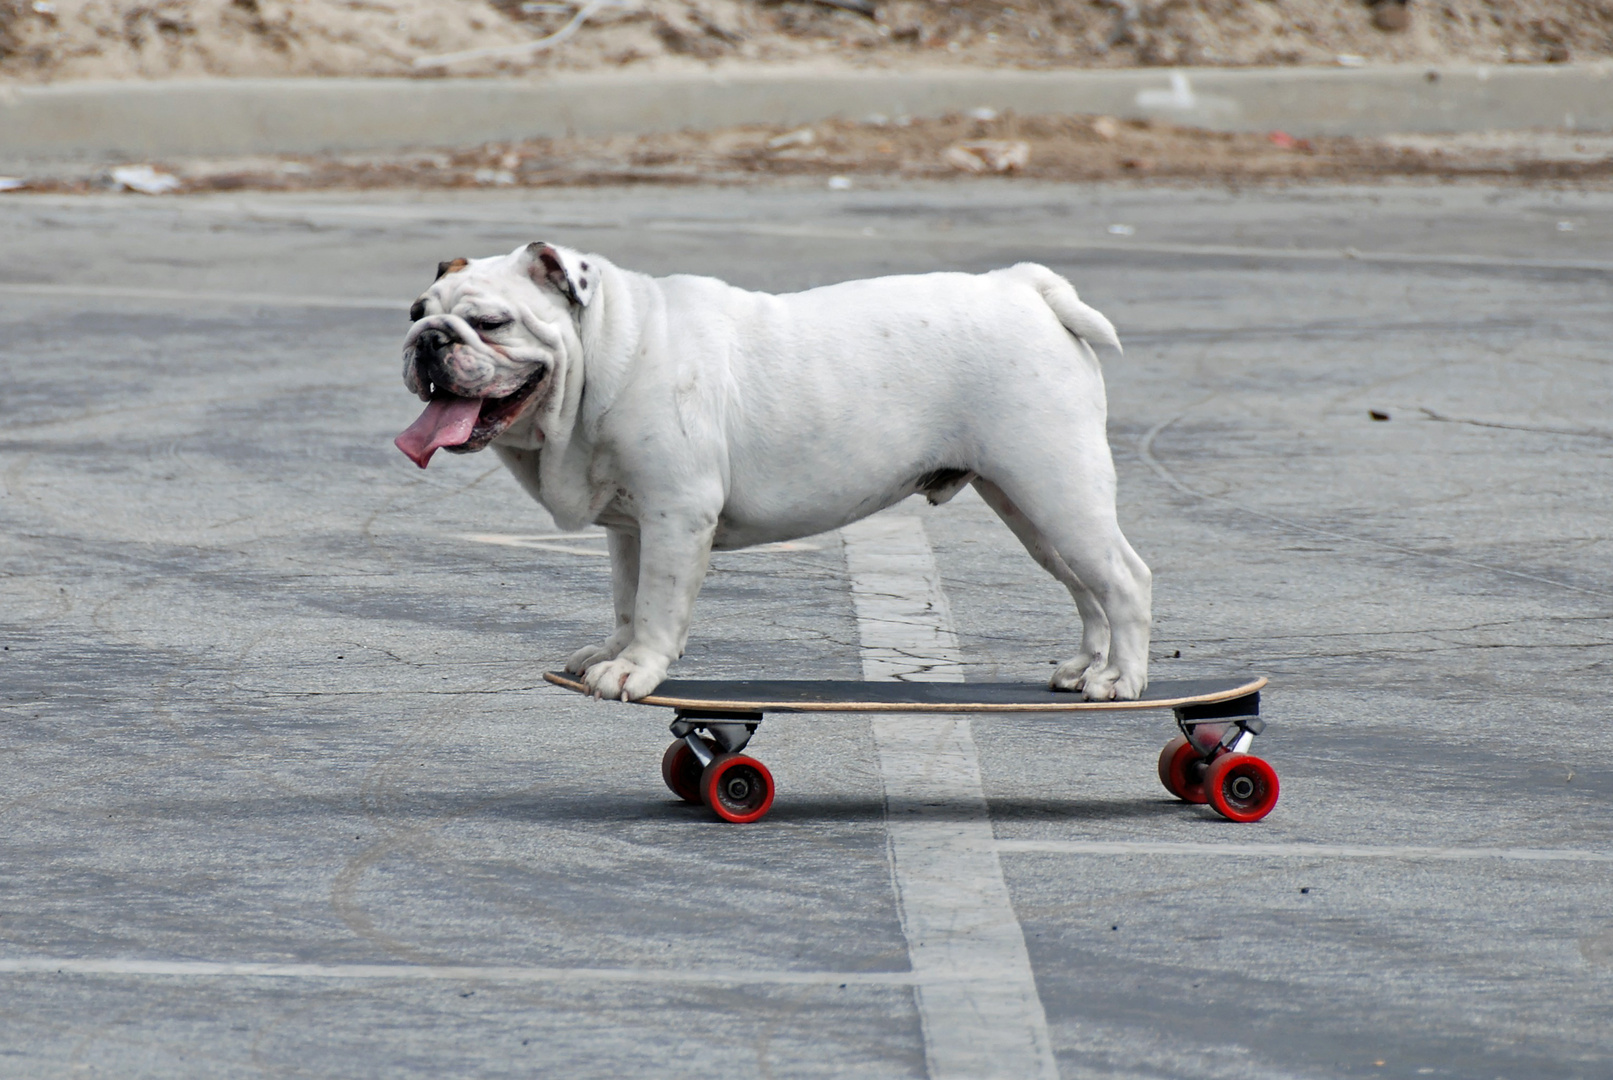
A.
pixel 433 369
pixel 434 341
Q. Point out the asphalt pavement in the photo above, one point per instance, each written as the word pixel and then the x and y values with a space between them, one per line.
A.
pixel 284 793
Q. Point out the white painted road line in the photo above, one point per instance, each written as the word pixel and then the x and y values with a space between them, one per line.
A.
pixel 196 297
pixel 541 543
pixel 902 614
pixel 545 543
pixel 1298 851
pixel 976 993
pixel 48 965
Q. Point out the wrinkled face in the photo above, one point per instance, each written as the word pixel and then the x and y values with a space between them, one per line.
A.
pixel 484 342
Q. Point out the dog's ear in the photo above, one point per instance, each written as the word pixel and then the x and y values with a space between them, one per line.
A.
pixel 451 266
pixel 567 270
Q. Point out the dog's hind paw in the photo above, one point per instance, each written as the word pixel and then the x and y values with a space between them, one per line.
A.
pixel 1112 684
pixel 623 680
pixel 1071 676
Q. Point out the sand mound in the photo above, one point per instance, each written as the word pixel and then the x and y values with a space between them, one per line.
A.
pixel 95 39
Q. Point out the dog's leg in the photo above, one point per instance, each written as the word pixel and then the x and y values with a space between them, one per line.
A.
pixel 1094 624
pixel 675 550
pixel 1073 509
pixel 623 589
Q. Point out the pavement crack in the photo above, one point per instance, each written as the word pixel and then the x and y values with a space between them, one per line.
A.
pixel 1583 433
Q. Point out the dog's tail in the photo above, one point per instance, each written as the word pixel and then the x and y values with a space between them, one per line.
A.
pixel 1082 320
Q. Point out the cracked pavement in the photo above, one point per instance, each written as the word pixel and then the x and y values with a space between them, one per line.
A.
pixel 262 701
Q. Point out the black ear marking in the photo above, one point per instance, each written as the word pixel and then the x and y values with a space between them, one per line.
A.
pixel 451 266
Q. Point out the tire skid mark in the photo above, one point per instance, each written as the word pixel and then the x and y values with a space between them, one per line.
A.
pixel 1145 450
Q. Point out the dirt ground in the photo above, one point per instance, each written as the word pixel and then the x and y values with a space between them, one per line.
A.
pixel 845 154
pixel 43 40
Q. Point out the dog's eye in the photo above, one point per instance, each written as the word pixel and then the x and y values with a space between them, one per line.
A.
pixel 418 311
pixel 490 322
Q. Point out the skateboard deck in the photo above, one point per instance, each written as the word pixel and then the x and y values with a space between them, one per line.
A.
pixel 714 720
pixel 845 695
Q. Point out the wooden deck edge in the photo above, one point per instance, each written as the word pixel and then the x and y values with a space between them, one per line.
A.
pixel 1077 705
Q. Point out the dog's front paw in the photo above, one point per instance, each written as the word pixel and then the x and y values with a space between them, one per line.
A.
pixel 1112 684
pixel 587 657
pixel 623 680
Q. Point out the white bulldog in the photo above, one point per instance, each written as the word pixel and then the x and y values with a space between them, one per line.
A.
pixel 684 414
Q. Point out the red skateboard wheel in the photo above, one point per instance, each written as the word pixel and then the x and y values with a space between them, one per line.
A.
pixel 737 788
pixel 1178 771
pixel 1165 757
pixel 1241 787
pixel 681 770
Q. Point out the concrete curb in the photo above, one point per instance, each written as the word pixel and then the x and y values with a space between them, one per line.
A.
pixel 223 117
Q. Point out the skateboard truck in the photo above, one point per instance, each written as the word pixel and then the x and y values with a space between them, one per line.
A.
pixel 729 730
pixel 1221 726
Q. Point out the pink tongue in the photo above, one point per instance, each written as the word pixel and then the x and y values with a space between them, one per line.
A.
pixel 446 422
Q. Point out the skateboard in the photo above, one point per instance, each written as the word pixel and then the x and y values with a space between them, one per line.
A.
pixel 713 721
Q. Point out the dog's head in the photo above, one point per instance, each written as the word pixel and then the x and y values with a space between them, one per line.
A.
pixel 487 339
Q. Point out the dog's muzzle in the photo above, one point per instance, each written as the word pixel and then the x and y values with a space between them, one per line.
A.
pixel 463 424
